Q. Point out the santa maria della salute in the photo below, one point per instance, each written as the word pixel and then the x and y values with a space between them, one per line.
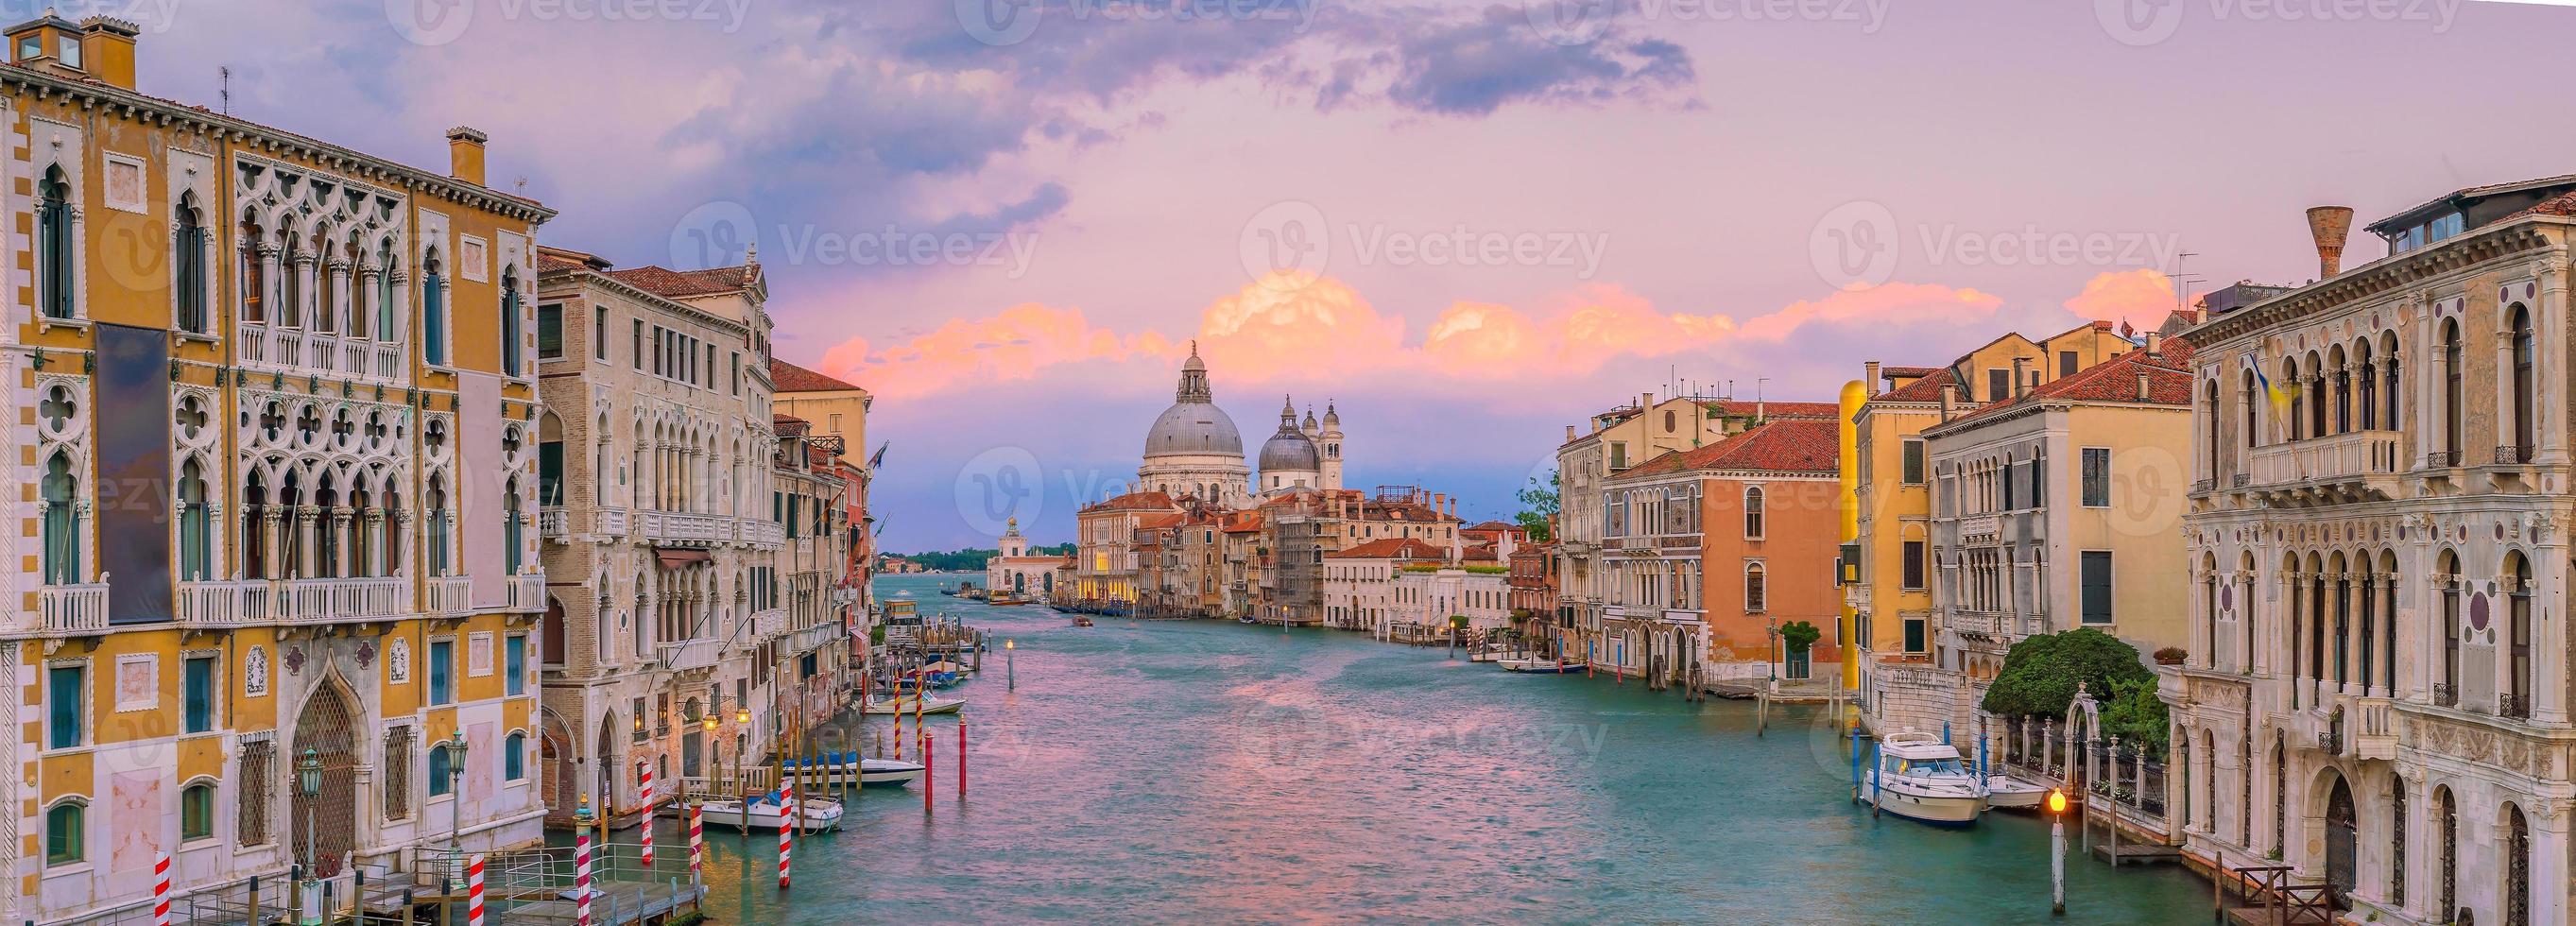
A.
pixel 1194 450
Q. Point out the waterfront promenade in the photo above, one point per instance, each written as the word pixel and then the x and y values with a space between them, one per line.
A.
pixel 1209 771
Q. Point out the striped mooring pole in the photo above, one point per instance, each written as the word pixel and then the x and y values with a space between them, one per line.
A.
pixel 697 847
pixel 644 775
pixel 786 829
pixel 474 892
pixel 581 877
pixel 161 890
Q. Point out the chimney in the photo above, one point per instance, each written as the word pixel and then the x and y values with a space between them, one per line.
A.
pixel 2329 225
pixel 1569 434
pixel 1869 379
pixel 1949 396
pixel 2155 344
pixel 107 50
pixel 2144 393
pixel 2021 377
pixel 465 154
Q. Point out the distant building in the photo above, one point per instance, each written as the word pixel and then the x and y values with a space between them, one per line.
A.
pixel 1014 569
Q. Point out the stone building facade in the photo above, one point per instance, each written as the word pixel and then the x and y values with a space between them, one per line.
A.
pixel 2378 688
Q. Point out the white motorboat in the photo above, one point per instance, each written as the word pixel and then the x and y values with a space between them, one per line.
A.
pixel 841 768
pixel 1920 777
pixel 907 705
pixel 1540 666
pixel 2005 792
pixel 761 813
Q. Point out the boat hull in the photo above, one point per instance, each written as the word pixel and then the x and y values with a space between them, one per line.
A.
pixel 1938 810
pixel 869 772
pixel 932 706
pixel 816 814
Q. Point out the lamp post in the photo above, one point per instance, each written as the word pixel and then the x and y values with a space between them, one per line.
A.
pixel 1011 665
pixel 308 782
pixel 1771 633
pixel 2056 852
pixel 456 795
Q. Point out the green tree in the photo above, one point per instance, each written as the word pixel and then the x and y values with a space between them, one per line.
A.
pixel 1797 636
pixel 2139 718
pixel 2041 672
pixel 1538 506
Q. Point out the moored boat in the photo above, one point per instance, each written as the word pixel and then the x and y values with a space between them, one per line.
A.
pixel 2008 793
pixel 907 705
pixel 762 813
pixel 842 768
pixel 1540 666
pixel 1920 777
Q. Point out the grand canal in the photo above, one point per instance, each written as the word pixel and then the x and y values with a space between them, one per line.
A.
pixel 1206 771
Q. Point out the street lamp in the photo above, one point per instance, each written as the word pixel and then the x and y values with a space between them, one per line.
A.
pixel 1011 664
pixel 456 794
pixel 308 782
pixel 2056 852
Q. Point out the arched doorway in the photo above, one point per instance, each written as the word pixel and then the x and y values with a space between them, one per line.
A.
pixel 554 640
pixel 326 823
pixel 603 776
pixel 555 763
pixel 2343 836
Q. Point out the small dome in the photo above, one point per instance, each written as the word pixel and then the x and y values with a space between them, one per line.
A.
pixel 1290 452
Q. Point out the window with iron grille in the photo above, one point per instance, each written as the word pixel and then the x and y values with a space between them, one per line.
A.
pixel 398 773
pixel 250 822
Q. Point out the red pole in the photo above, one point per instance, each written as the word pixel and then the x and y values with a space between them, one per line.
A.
pixel 929 775
pixel 961 758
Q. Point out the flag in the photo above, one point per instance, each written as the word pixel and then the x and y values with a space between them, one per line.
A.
pixel 878 459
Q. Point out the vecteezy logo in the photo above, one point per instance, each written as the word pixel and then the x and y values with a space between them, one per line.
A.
pixel 1570 22
pixel 2139 23
pixel 429 22
pixel 1286 244
pixel 998 485
pixel 999 22
pixel 1855 245
pixel 717 234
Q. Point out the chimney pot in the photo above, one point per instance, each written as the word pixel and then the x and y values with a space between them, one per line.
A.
pixel 1949 396
pixel 1869 378
pixel 465 154
pixel 2144 393
pixel 2155 343
pixel 2329 226
pixel 2021 377
pixel 107 49
pixel 1569 434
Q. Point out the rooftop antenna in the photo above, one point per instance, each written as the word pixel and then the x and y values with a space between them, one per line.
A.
pixel 2181 277
pixel 224 75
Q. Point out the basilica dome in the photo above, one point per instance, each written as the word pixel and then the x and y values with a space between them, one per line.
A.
pixel 1290 450
pixel 1193 426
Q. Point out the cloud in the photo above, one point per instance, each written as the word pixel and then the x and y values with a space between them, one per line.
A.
pixel 2142 298
pixel 1012 345
pixel 1499 58
pixel 1288 326
pixel 1888 304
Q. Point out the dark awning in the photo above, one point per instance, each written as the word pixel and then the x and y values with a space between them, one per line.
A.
pixel 676 557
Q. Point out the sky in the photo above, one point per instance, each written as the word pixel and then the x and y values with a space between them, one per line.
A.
pixel 1467 225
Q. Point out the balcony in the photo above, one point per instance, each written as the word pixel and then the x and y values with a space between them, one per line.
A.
pixel 324 601
pixel 2345 465
pixel 528 593
pixel 610 521
pixel 73 608
pixel 554 523
pixel 763 533
pixel 1990 623
pixel 1983 526
pixel 815 637
pixel 686 528
pixel 216 605
pixel 2371 725
pixel 305 352
pixel 691 655
pixel 448 596
pixel 767 624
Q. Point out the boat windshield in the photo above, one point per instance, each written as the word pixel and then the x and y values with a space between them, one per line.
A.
pixel 1930 767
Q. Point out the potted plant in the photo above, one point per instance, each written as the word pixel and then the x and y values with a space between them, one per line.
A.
pixel 2171 656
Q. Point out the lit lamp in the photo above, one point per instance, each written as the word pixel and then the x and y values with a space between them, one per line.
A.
pixel 2056 852
pixel 1011 665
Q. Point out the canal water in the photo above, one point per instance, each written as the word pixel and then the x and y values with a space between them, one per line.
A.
pixel 1210 771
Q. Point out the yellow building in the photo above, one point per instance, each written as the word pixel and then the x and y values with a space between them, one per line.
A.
pixel 273 422
pixel 1892 602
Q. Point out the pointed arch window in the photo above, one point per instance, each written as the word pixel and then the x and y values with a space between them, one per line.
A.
pixel 433 310
pixel 189 268
pixel 290 290
pixel 387 266
pixel 2525 381
pixel 510 359
pixel 196 533
pixel 435 546
pixel 511 539
pixel 2454 392
pixel 60 492
pixel 55 280
pixel 253 274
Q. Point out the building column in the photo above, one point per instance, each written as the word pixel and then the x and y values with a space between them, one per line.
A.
pixel 308 557
pixel 2547 316
pixel 272 540
pixel 344 558
pixel 2550 641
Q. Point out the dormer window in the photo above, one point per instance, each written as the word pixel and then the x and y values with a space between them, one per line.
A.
pixel 71 52
pixel 30 47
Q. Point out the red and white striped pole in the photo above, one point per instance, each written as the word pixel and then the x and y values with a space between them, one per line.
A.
pixel 786 829
pixel 474 892
pixel 581 877
pixel 161 890
pixel 697 846
pixel 644 776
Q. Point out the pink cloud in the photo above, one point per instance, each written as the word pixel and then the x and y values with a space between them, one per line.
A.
pixel 1011 345
pixel 2141 297
pixel 1297 325
pixel 1889 304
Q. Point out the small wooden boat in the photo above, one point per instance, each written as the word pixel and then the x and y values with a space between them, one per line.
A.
pixel 907 705
pixel 1920 777
pixel 1540 666
pixel 841 768
pixel 762 813
pixel 1082 620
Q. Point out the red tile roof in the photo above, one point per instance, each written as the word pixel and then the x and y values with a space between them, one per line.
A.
pixel 1132 501
pixel 1159 521
pixel 2114 381
pixel 788 377
pixel 1925 389
pixel 2563 204
pixel 1794 445
pixel 677 284
pixel 1393 548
